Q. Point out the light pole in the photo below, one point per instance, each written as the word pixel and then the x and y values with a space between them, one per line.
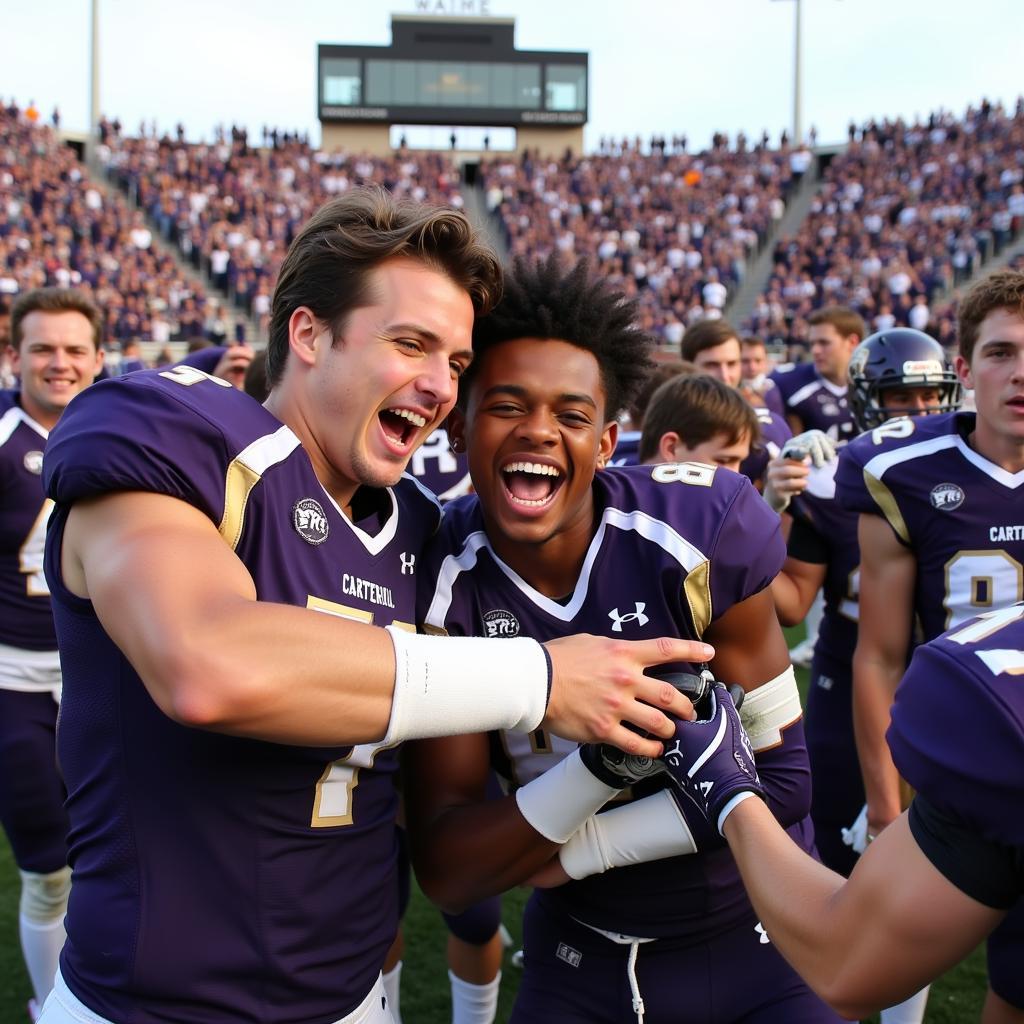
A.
pixel 94 90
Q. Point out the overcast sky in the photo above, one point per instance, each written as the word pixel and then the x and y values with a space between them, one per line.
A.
pixel 664 66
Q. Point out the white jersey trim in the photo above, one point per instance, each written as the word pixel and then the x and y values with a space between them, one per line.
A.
pixel 819 384
pixel 654 530
pixel 882 463
pixel 1000 475
pixel 13 418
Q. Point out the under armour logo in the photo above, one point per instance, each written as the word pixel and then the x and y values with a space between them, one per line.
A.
pixel 637 617
pixel 408 563
pixel 759 928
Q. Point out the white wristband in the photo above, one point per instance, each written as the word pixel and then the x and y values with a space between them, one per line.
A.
pixel 730 807
pixel 559 801
pixel 643 830
pixel 769 709
pixel 449 686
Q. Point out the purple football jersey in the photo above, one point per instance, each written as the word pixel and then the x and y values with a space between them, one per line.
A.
pixel 820 404
pixel 775 433
pixel 627 449
pixel 959 513
pixel 25 617
pixel 218 878
pixel 443 472
pixel 772 397
pixel 957 731
pixel 676 546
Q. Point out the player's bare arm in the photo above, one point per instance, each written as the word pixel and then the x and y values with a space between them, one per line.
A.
pixel 888 573
pixel 862 943
pixel 749 646
pixel 794 589
pixel 214 657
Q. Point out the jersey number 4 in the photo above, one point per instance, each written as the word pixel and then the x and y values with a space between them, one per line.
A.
pixel 30 554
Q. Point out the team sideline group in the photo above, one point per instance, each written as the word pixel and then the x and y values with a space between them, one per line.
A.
pixel 582 684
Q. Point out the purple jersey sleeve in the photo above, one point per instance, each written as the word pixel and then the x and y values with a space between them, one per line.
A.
pixel 627 449
pixel 99 446
pixel 775 433
pixel 851 489
pixel 957 731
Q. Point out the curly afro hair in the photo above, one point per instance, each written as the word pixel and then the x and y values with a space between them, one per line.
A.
pixel 542 300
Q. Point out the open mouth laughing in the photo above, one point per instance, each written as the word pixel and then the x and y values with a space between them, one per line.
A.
pixel 531 485
pixel 401 426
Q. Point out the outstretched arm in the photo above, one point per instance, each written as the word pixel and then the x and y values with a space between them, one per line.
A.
pixel 863 943
pixel 183 608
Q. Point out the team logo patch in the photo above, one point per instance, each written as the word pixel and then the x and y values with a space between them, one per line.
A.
pixel 501 623
pixel 571 956
pixel 830 409
pixel 309 521
pixel 34 462
pixel 946 497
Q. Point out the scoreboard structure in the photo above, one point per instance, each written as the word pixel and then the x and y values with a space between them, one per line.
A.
pixel 451 71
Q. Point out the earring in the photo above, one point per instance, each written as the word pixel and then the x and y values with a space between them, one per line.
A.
pixel 455 445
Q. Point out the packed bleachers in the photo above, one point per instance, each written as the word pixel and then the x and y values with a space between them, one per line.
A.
pixel 673 228
pixel 232 209
pixel 906 213
pixel 57 227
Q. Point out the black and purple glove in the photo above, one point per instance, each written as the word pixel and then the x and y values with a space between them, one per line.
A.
pixel 711 761
pixel 616 768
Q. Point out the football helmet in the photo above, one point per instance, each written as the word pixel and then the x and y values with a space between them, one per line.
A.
pixel 898 358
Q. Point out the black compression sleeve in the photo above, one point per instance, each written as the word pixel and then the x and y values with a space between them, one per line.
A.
pixel 806 544
pixel 991 873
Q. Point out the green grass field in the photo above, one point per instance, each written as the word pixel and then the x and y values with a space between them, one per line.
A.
pixel 955 999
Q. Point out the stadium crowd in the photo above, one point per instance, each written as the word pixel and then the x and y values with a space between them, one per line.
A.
pixel 676 230
pixel 58 227
pixel 905 214
pixel 232 209
pixel 376 350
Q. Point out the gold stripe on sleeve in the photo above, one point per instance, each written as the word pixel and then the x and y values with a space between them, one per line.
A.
pixel 697 590
pixel 887 504
pixel 238 484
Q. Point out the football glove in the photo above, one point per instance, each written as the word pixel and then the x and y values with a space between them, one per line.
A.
pixel 811 444
pixel 710 761
pixel 616 768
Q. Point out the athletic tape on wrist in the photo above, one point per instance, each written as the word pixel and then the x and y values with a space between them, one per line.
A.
pixel 769 709
pixel 643 830
pixel 558 802
pixel 448 686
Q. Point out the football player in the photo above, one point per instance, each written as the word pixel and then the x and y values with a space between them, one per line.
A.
pixel 894 373
pixel 754 373
pixel 713 346
pixel 549 544
pixel 941 539
pixel 942 876
pixel 230 719
pixel 55 350
pixel 814 394
pixel 697 418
